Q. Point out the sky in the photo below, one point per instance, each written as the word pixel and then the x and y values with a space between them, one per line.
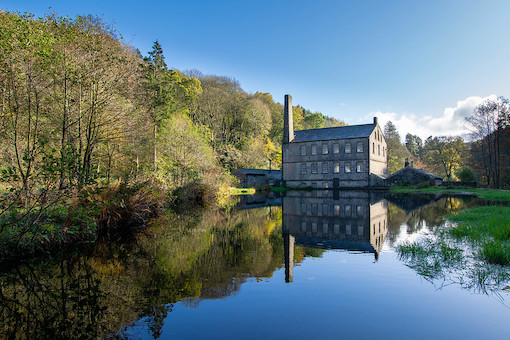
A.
pixel 424 65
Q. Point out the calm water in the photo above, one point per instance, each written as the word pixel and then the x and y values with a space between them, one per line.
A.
pixel 317 264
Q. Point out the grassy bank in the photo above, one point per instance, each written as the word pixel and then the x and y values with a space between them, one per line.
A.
pixel 486 228
pixel 488 194
pixel 480 233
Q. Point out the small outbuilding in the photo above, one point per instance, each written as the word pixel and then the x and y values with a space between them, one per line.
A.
pixel 249 178
pixel 412 176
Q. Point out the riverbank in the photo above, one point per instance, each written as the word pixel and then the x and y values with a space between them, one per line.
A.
pixel 481 233
pixel 487 194
pixel 64 219
pixel 486 228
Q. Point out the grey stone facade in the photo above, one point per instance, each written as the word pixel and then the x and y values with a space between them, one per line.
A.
pixel 350 220
pixel 347 156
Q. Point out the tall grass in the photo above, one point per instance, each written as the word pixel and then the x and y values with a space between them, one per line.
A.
pixel 487 228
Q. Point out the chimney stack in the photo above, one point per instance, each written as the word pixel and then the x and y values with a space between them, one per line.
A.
pixel 288 123
pixel 375 120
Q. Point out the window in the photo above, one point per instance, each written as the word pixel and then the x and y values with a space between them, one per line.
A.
pixel 336 229
pixel 359 210
pixel 360 231
pixel 325 149
pixel 359 167
pixel 303 208
pixel 348 229
pixel 336 167
pixel 347 167
pixel 373 148
pixel 383 152
pixel 336 148
pixel 359 147
pixel 348 147
pixel 315 209
pixel 303 150
pixel 314 227
pixel 325 210
pixel 378 150
pixel 325 185
pixel 324 228
pixel 314 185
pixel 314 168
pixel 303 169
pixel 348 210
pixel 325 167
pixel 314 149
pixel 336 210
pixel 303 226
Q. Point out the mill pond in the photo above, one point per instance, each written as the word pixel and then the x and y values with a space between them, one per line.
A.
pixel 322 264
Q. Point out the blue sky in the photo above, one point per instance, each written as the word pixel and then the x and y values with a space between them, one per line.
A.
pixel 423 64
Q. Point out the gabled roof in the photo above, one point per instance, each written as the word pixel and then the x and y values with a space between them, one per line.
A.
pixel 413 170
pixel 342 132
pixel 260 172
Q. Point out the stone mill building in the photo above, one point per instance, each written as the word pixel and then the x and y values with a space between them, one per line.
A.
pixel 352 156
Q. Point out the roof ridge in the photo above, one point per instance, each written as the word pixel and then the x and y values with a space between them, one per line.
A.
pixel 334 127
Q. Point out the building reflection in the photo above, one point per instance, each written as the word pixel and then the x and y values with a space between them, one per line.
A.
pixel 350 220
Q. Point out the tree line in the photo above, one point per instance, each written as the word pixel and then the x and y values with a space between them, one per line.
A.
pixel 484 158
pixel 82 111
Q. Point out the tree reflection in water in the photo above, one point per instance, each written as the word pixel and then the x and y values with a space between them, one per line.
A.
pixel 96 292
pixel 102 290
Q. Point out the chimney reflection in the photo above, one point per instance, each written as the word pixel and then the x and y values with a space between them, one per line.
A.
pixel 288 245
pixel 350 220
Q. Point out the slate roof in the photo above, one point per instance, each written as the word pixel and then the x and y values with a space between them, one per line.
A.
pixel 342 132
pixel 412 170
pixel 260 172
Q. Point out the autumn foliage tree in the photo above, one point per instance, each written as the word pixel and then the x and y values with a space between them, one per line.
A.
pixel 489 124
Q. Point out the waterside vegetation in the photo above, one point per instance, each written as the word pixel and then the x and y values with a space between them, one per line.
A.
pixel 487 194
pixel 96 136
pixel 472 250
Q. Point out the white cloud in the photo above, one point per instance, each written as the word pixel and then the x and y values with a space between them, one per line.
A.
pixel 450 123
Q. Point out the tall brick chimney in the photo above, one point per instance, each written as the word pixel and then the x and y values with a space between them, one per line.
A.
pixel 288 123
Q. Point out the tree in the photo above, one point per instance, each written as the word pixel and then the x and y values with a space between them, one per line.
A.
pixel 414 144
pixel 466 174
pixel 167 92
pixel 487 123
pixel 397 153
pixel 445 153
pixel 314 120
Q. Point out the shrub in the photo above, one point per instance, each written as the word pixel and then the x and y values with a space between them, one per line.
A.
pixel 466 174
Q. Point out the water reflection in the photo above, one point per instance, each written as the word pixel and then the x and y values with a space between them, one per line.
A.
pixel 350 220
pixel 106 289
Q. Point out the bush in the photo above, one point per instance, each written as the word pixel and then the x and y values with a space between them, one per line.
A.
pixel 465 174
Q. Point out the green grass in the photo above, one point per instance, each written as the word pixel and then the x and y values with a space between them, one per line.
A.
pixel 488 228
pixel 488 194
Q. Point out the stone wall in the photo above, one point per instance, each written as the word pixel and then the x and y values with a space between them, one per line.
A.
pixel 315 166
